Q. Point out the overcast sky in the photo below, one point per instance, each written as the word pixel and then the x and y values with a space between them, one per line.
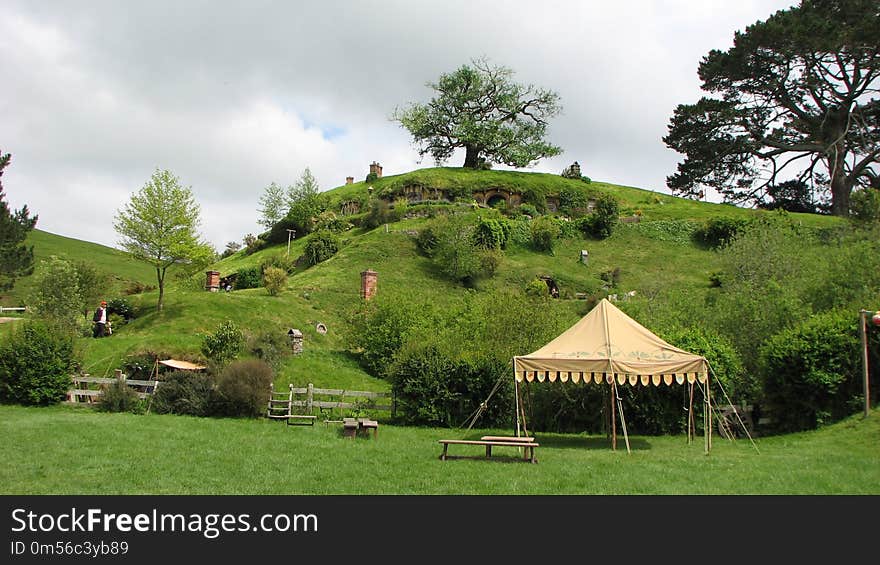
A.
pixel 231 96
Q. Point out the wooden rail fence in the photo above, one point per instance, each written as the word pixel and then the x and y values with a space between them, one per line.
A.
pixel 304 400
pixel 78 394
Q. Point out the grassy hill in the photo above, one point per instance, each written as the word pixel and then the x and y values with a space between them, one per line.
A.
pixel 122 269
pixel 652 256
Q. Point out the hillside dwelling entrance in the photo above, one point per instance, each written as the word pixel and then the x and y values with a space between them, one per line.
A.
pixel 496 200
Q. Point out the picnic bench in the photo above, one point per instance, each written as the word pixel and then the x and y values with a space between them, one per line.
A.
pixel 527 443
pixel 351 426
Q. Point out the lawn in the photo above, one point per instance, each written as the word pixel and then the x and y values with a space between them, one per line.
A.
pixel 77 450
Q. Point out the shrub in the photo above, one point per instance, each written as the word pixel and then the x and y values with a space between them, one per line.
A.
pixel 274 279
pixel 528 210
pixel 279 261
pixel 572 198
pixel 36 363
pixel 545 232
pixel 119 397
pixel 379 213
pixel 252 244
pixel 864 205
pixel 426 240
pixel 248 277
pixel 328 220
pixel 243 389
pixel 811 371
pixel 121 307
pixel 492 233
pixel 321 246
pixel 224 344
pixel 601 223
pixel 535 198
pixel 371 177
pixel 184 392
pixel 537 288
pixel 718 232
pixel 270 346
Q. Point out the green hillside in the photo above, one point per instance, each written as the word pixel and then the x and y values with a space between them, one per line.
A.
pixel 651 257
pixel 122 269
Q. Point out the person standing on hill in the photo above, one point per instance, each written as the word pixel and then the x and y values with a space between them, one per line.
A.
pixel 101 319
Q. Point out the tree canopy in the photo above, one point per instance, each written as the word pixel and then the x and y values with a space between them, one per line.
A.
pixel 158 225
pixel 795 100
pixel 479 108
pixel 16 259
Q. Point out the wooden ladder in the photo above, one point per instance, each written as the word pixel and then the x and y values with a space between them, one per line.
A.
pixel 279 404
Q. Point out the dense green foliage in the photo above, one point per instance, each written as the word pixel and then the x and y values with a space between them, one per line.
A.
pixel 119 397
pixel 717 232
pixel 274 280
pixel 186 393
pixel 601 222
pixel 321 246
pixel 248 277
pixel 224 344
pixel 36 362
pixel 242 389
pixel 813 371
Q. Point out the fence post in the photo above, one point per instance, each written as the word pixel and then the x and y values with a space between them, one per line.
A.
pixel 120 376
pixel 309 397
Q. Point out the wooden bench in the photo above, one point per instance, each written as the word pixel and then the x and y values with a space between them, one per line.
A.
pixel 351 426
pixel 507 438
pixel 528 446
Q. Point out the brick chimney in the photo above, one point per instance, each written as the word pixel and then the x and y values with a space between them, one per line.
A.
pixel 376 168
pixel 368 284
pixel 212 283
pixel 349 180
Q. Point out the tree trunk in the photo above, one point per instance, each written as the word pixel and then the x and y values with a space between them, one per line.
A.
pixel 841 187
pixel 472 157
pixel 160 275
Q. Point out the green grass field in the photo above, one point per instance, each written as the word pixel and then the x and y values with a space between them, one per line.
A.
pixel 76 450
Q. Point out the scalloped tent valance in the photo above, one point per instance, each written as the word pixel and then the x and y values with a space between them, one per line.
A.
pixel 605 346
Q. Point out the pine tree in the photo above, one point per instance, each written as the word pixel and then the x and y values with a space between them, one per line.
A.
pixel 16 259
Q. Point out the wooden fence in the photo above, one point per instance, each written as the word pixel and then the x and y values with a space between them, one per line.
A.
pixel 81 391
pixel 304 400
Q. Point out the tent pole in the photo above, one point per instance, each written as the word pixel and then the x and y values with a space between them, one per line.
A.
pixel 516 396
pixel 622 419
pixel 707 424
pixel 709 403
pixel 690 423
pixel 613 420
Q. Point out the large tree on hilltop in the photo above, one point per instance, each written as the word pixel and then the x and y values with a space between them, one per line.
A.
pixel 479 108
pixel 158 226
pixel 16 259
pixel 796 98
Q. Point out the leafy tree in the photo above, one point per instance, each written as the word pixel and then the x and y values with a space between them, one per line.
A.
pixel 304 202
pixel 232 247
pixel 158 226
pixel 794 90
pixel 16 259
pixel 57 295
pixel 479 108
pixel 272 206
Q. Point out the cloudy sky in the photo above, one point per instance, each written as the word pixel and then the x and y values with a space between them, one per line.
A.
pixel 231 96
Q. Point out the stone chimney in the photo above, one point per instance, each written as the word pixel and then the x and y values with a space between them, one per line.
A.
pixel 349 180
pixel 213 281
pixel 376 168
pixel 368 284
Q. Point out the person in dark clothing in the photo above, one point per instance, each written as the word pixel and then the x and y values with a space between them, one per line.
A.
pixel 101 320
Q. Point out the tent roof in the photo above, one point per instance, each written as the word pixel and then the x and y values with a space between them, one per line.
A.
pixel 182 365
pixel 607 344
